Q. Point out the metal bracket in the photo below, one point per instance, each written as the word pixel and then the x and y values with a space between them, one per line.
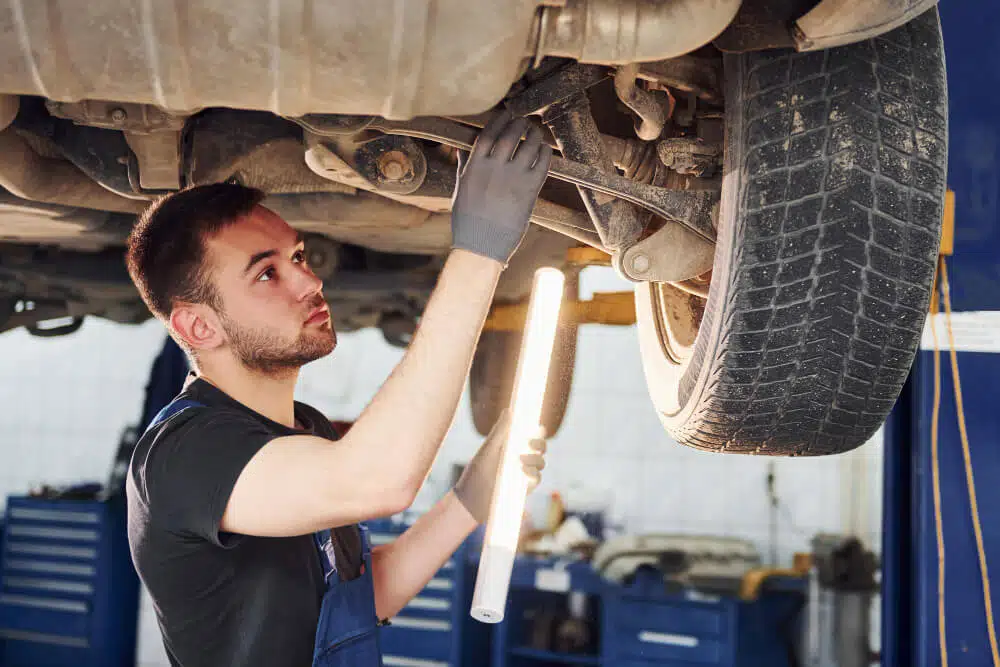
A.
pixel 618 222
pixel 682 249
pixel 392 164
pixel 668 255
pixel 560 86
pixel 666 203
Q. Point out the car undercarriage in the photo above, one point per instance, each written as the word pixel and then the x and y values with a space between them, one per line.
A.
pixel 768 175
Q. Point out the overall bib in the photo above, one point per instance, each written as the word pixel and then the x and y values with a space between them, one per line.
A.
pixel 348 628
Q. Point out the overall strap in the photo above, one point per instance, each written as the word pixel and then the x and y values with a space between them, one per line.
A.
pixel 324 546
pixel 366 545
pixel 172 408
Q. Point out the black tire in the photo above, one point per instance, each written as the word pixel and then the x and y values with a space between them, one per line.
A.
pixel 494 364
pixel 828 234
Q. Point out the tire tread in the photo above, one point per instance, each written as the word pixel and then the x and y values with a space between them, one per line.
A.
pixel 831 358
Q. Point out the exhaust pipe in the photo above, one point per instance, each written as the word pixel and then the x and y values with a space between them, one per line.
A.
pixel 26 174
pixel 610 32
pixel 8 110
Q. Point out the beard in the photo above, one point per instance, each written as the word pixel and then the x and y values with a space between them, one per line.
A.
pixel 265 351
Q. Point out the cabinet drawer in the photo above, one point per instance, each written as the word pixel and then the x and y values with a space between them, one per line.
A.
pixel 427 608
pixel 414 637
pixel 657 645
pixel 685 618
pixel 669 630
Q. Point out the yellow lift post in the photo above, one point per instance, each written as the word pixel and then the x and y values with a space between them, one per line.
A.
pixel 608 308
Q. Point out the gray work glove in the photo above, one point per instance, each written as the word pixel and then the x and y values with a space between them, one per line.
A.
pixel 475 487
pixel 498 184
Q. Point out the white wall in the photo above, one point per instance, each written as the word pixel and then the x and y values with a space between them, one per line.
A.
pixel 63 403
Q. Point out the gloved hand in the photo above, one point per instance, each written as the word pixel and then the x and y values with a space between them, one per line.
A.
pixel 498 186
pixel 475 487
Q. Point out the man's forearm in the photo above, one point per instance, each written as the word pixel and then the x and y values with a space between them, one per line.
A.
pixel 410 415
pixel 402 569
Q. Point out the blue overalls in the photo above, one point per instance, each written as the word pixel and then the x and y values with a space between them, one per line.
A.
pixel 347 634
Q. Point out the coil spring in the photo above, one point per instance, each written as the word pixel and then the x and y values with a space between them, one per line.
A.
pixel 640 162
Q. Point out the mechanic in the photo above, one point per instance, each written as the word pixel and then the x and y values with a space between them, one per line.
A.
pixel 246 509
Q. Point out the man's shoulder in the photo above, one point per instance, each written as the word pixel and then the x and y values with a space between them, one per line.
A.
pixel 185 414
pixel 190 424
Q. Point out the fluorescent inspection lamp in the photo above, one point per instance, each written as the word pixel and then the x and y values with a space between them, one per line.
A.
pixel 503 528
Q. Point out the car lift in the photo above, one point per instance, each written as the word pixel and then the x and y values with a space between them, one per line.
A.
pixel 941 492
pixel 609 308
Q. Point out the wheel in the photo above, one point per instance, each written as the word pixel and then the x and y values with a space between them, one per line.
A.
pixel 828 233
pixel 491 379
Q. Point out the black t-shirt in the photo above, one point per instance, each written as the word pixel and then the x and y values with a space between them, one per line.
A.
pixel 220 599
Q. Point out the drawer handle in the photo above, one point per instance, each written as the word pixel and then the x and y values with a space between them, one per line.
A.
pixel 403 661
pixel 54 515
pixel 57 585
pixel 687 641
pixel 420 602
pixel 420 624
pixel 50 567
pixel 30 530
pixel 37 549
pixel 439 584
pixel 43 638
pixel 73 606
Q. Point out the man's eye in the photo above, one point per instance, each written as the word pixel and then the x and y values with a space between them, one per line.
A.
pixel 266 275
pixel 299 256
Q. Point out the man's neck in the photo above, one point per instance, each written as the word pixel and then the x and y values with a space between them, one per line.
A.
pixel 270 395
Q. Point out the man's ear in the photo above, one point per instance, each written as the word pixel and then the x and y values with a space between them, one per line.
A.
pixel 197 325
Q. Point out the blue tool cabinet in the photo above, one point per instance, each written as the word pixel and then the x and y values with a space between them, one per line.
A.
pixel 643 625
pixel 434 629
pixel 68 590
pixel 537 587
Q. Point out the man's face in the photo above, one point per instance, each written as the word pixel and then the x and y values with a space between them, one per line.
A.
pixel 271 305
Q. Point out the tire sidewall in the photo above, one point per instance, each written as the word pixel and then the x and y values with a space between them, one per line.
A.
pixel 677 389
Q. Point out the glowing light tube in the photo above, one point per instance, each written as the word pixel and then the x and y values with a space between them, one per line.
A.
pixel 503 528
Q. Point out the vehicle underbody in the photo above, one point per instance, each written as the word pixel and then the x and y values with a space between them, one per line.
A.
pixel 351 120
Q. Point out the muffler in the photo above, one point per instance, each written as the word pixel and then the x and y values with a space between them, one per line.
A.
pixel 392 58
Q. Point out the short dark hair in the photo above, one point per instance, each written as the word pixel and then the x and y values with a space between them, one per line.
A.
pixel 165 253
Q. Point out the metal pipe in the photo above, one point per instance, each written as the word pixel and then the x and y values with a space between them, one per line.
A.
pixel 612 32
pixel 28 175
pixel 653 108
pixel 664 203
pixel 567 222
pixel 617 221
pixel 8 110
pixel 574 224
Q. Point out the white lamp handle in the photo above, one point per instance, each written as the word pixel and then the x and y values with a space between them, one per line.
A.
pixel 503 528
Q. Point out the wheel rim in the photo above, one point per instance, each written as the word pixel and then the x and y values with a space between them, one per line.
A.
pixel 677 316
pixel 669 320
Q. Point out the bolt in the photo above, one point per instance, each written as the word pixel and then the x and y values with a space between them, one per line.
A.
pixel 118 115
pixel 394 165
pixel 393 170
pixel 640 263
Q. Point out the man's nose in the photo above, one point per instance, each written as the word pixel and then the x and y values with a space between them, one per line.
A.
pixel 307 284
